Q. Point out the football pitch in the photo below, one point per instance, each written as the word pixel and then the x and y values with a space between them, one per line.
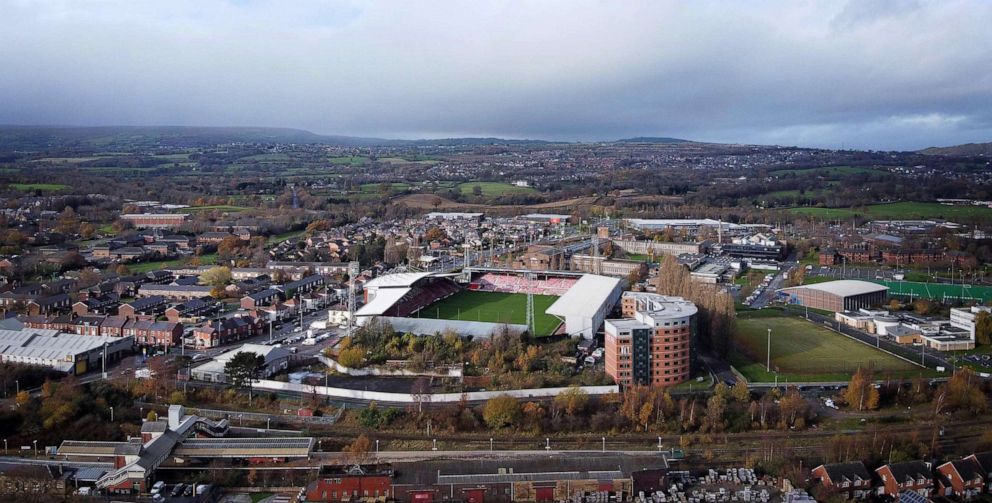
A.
pixel 495 307
pixel 938 291
pixel 806 352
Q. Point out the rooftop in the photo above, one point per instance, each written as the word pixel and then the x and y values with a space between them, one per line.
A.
pixel 842 287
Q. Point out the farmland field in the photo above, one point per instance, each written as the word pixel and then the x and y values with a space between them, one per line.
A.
pixel 806 352
pixel 494 307
pixel 826 171
pixel 900 211
pixel 493 188
pixel 51 187
pixel 374 187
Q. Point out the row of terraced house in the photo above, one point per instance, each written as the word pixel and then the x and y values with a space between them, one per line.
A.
pixel 964 479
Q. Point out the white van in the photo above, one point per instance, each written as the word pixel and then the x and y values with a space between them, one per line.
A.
pixel 157 487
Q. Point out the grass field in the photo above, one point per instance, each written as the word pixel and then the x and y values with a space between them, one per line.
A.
pixel 144 267
pixel 352 160
pixel 805 352
pixel 373 188
pixel 50 187
pixel 493 188
pixel 826 171
pixel 900 211
pixel 494 307
pixel 221 207
pixel 938 291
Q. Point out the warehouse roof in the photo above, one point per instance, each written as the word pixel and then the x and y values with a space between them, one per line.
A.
pixel 49 344
pixel 843 287
pixel 587 295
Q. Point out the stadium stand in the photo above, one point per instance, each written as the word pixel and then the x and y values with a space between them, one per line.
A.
pixel 507 283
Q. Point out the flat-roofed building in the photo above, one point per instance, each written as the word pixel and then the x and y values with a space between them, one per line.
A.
pixel 70 353
pixel 837 296
pixel 156 220
pixel 652 345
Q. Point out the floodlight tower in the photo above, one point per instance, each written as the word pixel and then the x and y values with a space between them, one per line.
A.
pixel 530 303
pixel 353 270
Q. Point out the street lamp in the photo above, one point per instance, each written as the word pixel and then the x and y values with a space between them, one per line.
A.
pixel 547 444
pixel 18 384
pixel 490 443
pixel 5 447
pixel 768 354
pixel 377 448
pixel 434 444
pixel 111 414
pixel 268 422
pixel 35 448
pixel 659 444
pixel 604 444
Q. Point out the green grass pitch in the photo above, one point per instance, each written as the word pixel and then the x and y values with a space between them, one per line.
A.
pixel 494 307
pixel 806 352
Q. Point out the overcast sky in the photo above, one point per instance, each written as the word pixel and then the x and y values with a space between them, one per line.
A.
pixel 900 74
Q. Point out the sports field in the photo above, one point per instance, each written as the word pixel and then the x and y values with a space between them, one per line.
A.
pixel 803 351
pixel 493 188
pixel 494 307
pixel 938 291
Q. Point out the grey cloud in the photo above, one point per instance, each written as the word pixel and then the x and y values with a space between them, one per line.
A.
pixel 893 74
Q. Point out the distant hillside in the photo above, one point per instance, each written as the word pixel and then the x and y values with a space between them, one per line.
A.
pixel 86 138
pixel 652 139
pixel 968 149
pixel 34 138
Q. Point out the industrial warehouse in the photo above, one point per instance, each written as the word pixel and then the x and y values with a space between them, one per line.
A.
pixel 837 296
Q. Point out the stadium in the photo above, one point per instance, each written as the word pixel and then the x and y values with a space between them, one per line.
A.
pixel 482 302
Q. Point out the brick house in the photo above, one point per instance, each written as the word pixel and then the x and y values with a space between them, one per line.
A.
pixel 984 461
pixel 850 479
pixel 962 478
pixel 255 300
pixel 146 306
pixel 154 333
pixel 356 483
pixel 915 476
pixel 192 310
pixel 219 333
pixel 48 305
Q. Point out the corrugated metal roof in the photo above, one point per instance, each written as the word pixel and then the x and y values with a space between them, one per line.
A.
pixel 842 287
pixel 400 279
pixel 587 295
pixel 429 326
pixel 383 300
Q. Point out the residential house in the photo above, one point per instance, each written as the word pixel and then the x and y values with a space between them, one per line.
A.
pixel 225 331
pixel 191 311
pixel 48 305
pixel 984 461
pixel 154 333
pixel 850 479
pixel 255 300
pixel 907 476
pixel 97 304
pixel 145 306
pixel 961 478
pixel 177 292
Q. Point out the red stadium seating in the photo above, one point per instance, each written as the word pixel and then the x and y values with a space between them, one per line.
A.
pixel 507 283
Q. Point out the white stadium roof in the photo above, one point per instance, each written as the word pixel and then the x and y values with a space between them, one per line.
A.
pixel 397 280
pixel 843 287
pixel 587 295
pixel 384 299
